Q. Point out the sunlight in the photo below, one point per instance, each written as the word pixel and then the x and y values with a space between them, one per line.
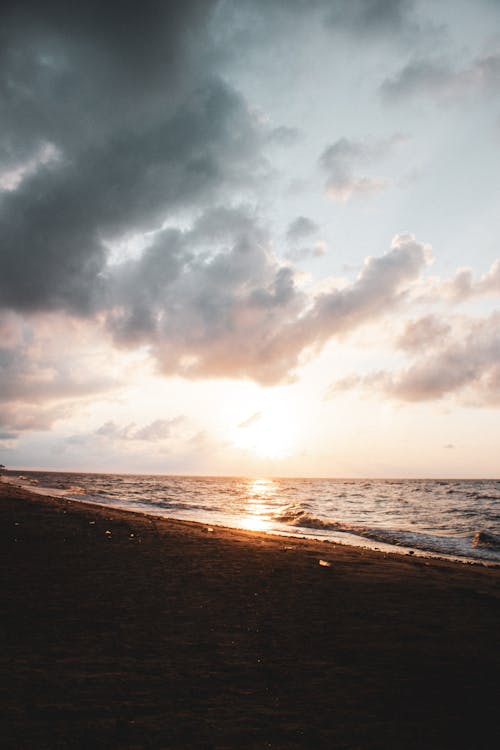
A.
pixel 258 510
pixel 269 434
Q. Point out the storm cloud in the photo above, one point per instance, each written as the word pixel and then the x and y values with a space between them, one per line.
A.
pixel 138 126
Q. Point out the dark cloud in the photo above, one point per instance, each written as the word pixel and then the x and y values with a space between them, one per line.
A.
pixel 139 125
pixel 54 224
pixel 71 74
pixel 438 78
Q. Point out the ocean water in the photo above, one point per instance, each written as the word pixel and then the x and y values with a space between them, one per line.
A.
pixel 457 518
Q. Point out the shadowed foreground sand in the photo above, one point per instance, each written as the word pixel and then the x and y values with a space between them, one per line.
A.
pixel 123 631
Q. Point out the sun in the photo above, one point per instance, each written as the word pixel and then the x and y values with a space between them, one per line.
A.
pixel 270 434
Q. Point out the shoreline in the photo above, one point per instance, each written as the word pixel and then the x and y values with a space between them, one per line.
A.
pixel 126 630
pixel 342 538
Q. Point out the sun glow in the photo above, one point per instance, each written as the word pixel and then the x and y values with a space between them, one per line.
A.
pixel 269 434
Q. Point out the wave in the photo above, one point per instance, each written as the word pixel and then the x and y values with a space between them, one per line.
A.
pixel 482 545
pixel 486 539
pixel 307 521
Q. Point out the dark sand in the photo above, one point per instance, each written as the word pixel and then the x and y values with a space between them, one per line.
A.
pixel 162 634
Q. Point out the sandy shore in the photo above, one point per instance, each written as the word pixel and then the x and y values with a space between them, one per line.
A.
pixel 119 630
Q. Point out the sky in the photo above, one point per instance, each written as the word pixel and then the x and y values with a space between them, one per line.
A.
pixel 251 237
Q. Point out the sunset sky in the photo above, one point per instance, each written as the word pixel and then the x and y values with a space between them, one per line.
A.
pixel 252 237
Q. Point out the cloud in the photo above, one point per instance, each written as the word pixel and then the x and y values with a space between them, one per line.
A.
pixel 111 134
pixel 383 284
pixel 8 436
pixel 343 160
pixel 251 420
pixel 98 155
pixel 53 226
pixel 371 16
pixel 299 253
pixel 156 431
pixel 423 334
pixel 18 417
pixel 48 359
pixel 48 366
pixel 209 300
pixel 465 364
pixel 284 136
pixel 439 79
pixel 462 287
pixel 218 303
pixel 300 229
pixel 362 18
pixel 106 133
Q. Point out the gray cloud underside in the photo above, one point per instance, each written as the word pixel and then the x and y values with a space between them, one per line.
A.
pixel 237 311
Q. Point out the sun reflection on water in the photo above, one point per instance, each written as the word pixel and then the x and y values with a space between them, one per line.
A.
pixel 258 510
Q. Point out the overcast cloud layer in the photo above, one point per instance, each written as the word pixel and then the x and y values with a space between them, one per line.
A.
pixel 151 201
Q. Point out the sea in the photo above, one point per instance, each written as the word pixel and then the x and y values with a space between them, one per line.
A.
pixel 451 518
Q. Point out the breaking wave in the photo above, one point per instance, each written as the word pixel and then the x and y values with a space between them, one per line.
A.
pixel 306 520
pixel 486 539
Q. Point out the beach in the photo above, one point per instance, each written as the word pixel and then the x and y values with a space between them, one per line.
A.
pixel 124 630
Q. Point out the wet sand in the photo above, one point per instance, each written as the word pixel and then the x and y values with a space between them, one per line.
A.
pixel 123 631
